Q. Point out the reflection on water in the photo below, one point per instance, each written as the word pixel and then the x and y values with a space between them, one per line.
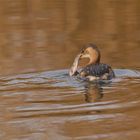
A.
pixel 47 105
pixel 93 93
pixel 37 37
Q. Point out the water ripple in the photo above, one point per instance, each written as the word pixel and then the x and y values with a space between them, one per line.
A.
pixel 59 101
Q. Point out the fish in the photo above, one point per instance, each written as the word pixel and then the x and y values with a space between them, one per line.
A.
pixel 74 67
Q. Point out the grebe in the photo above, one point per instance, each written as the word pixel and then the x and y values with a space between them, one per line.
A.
pixel 94 70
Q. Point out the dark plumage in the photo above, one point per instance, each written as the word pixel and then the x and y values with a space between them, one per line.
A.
pixel 98 70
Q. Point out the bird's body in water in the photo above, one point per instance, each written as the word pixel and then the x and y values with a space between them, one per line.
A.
pixel 94 70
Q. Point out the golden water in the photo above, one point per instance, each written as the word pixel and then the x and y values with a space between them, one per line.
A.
pixel 38 42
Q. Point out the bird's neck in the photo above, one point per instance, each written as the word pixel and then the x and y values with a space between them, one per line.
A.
pixel 93 61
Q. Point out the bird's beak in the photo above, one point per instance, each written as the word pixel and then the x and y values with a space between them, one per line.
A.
pixel 83 55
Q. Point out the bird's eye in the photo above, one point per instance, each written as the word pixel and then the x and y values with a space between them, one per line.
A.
pixel 85 51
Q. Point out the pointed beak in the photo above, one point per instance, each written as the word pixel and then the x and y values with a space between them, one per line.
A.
pixel 83 55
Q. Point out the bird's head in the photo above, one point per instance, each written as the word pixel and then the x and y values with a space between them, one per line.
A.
pixel 92 52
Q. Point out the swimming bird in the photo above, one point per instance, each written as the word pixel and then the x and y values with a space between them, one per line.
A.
pixel 94 70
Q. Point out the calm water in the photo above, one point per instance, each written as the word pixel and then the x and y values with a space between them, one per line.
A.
pixel 38 43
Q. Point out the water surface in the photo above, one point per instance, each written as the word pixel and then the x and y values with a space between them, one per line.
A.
pixel 50 105
pixel 38 43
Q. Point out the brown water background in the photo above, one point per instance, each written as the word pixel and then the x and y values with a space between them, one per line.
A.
pixel 41 38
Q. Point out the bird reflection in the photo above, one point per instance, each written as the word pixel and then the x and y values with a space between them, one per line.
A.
pixel 93 93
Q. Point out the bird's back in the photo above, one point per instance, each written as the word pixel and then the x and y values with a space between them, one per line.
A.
pixel 98 70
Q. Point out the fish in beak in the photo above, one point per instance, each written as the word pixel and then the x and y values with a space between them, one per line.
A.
pixel 74 68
